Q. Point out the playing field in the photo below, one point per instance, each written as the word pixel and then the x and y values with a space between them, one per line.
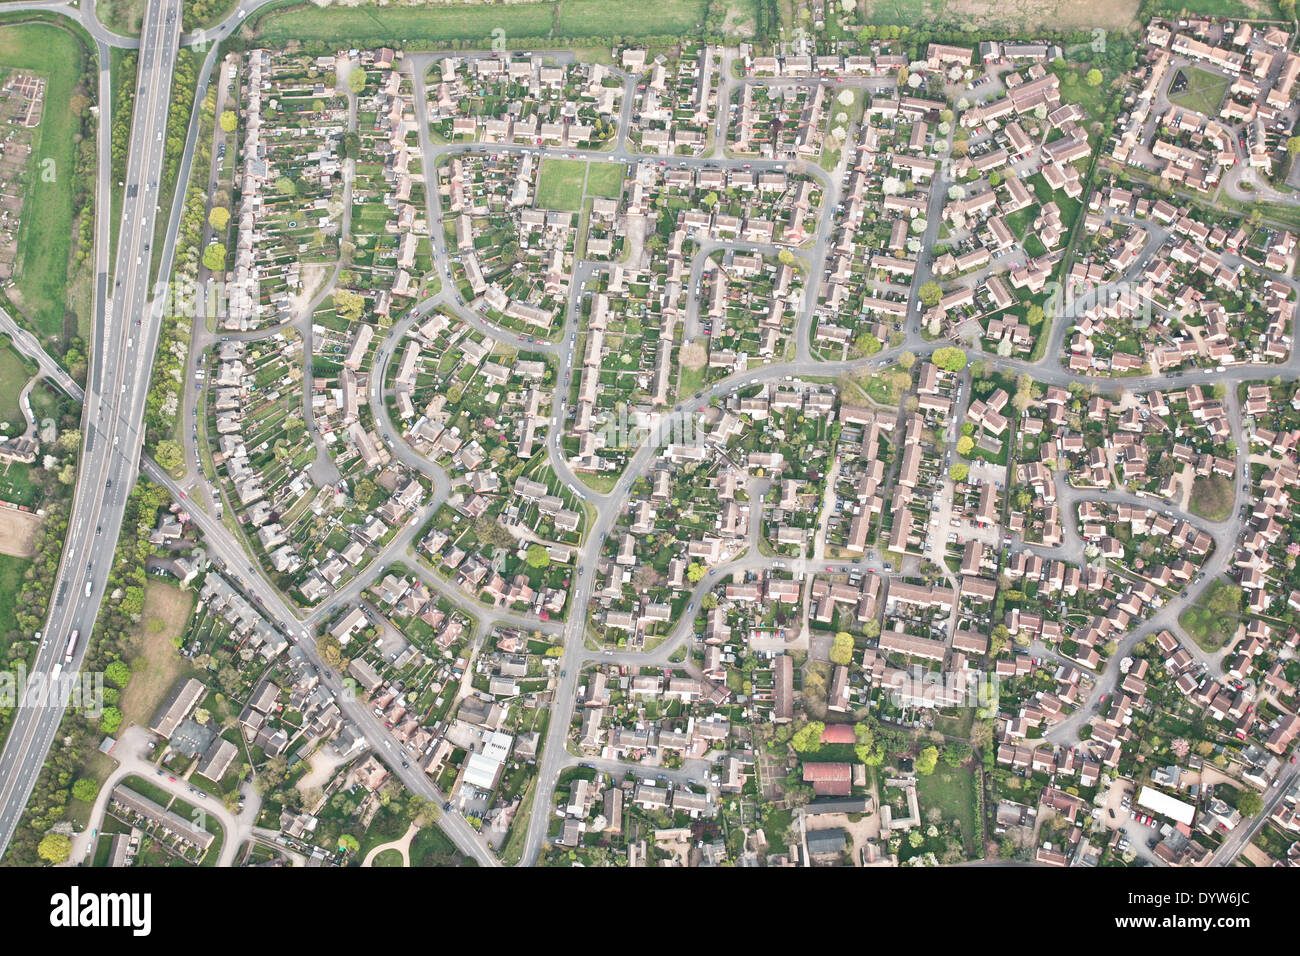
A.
pixel 560 184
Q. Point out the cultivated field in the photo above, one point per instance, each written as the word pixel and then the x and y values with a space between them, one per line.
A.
pixel 17 532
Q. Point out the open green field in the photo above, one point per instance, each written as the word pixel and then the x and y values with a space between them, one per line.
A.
pixel 1251 9
pixel 607 18
pixel 1206 626
pixel 121 16
pixel 45 236
pixel 605 179
pixel 1211 497
pixel 952 790
pixel 409 26
pixel 434 26
pixel 560 184
pixel 1204 91
pixel 14 374
pixel 388 858
pixel 1021 18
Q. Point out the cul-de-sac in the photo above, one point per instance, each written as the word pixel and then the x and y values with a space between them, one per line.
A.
pixel 766 433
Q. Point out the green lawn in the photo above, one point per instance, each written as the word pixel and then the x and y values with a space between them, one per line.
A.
pixel 1207 628
pixel 604 18
pixel 16 484
pixel 952 790
pixel 1204 92
pixel 432 847
pixel 560 184
pixel 605 179
pixel 388 858
pixel 436 26
pixel 410 26
pixel 1211 497
pixel 45 235
pixel 14 374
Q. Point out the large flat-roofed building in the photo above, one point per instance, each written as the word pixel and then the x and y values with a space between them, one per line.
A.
pixel 1166 806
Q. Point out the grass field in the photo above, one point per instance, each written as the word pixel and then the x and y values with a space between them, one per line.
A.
pixel 1204 91
pixel 410 26
pixel 560 184
pixel 432 847
pixel 603 18
pixel 1209 630
pixel 952 790
pixel 121 16
pixel 605 179
pixel 388 858
pixel 1265 9
pixel 14 374
pixel 1022 17
pixel 433 26
pixel 155 664
pixel 1211 497
pixel 45 236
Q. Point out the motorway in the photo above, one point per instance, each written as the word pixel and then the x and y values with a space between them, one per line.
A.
pixel 112 415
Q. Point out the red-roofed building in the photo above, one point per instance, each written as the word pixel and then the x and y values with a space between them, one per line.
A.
pixel 829 779
pixel 839 734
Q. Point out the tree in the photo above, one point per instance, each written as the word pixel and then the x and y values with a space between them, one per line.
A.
pixel 1093 77
pixel 228 121
pixel 785 257
pixel 348 843
pixel 348 304
pixel 110 720
pixel 927 761
pixel 959 471
pixel 842 649
pixel 695 572
pixel 867 344
pixel 169 454
pixel 538 556
pixel 930 294
pixel 956 753
pixel 1293 146
pixel 949 358
pixel 54 847
pixel 965 445
pixel 1250 804
pixel 906 360
pixel 808 738
pixel 218 217
pixel 85 790
pixel 357 80
pixel 1035 316
pixel 214 257
pixel 118 673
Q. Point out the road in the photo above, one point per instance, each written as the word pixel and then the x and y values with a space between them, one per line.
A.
pixel 112 414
